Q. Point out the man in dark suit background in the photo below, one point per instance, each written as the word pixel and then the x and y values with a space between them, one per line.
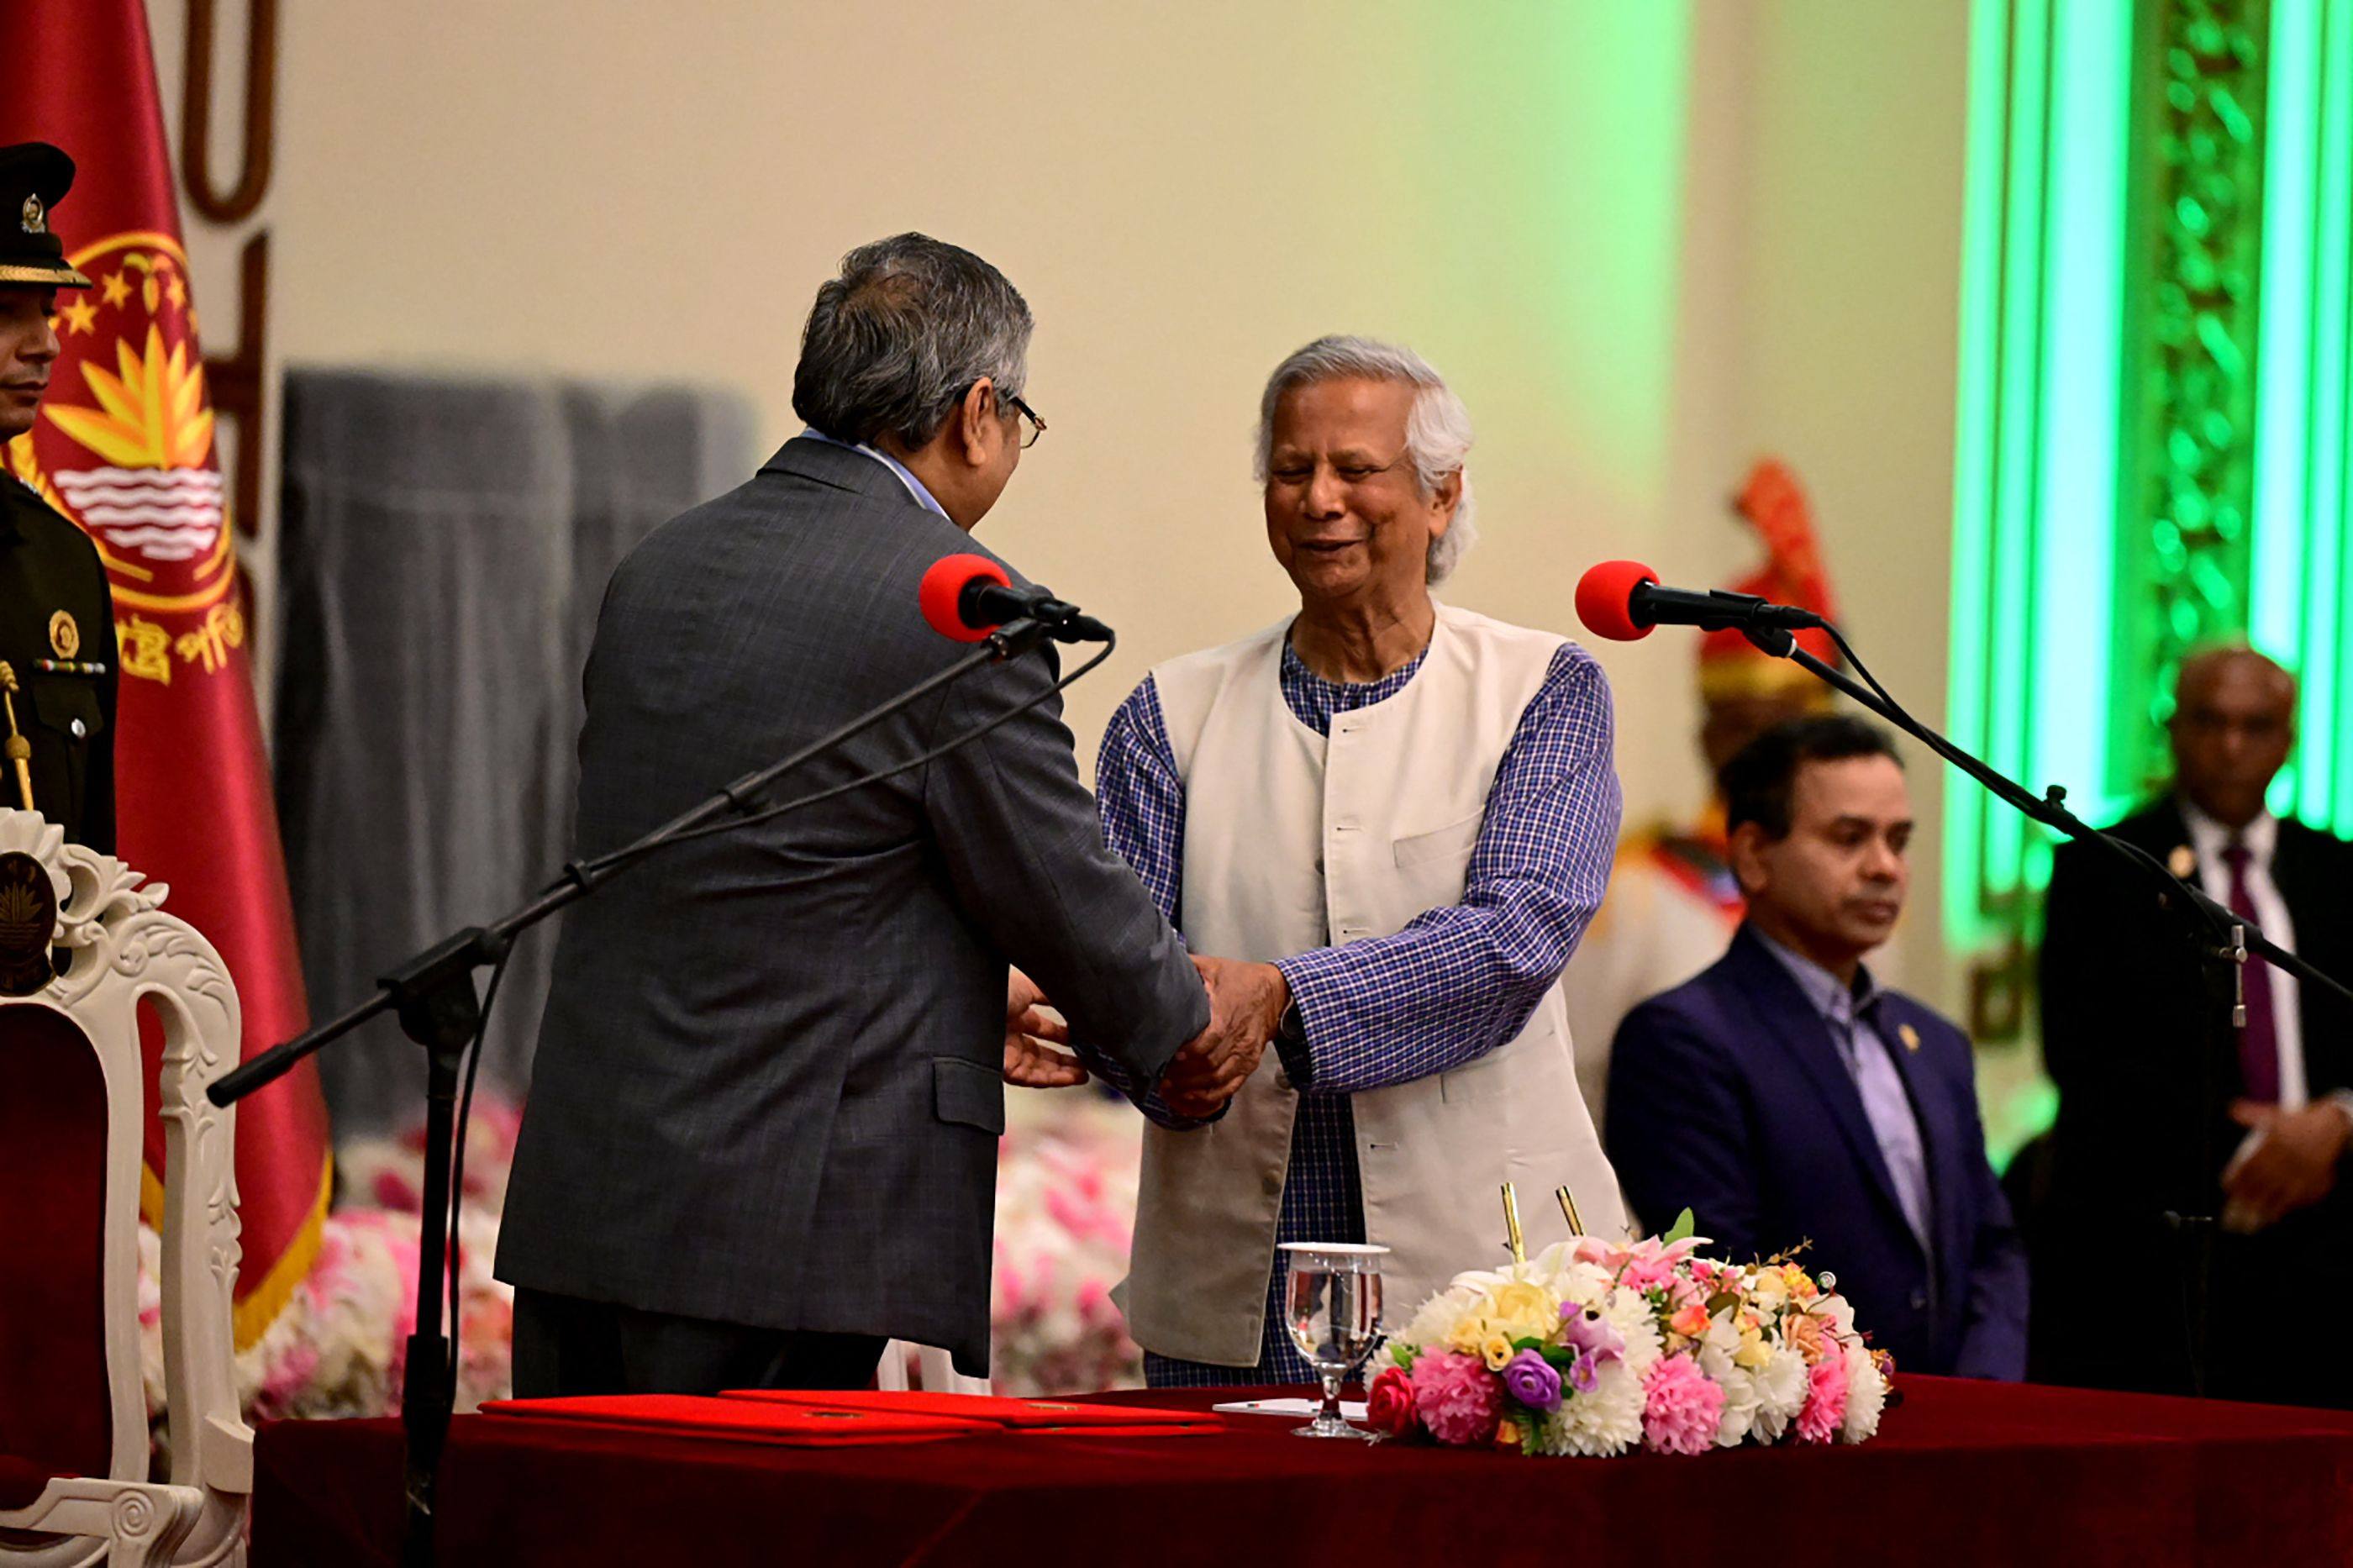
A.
pixel 762 1134
pixel 1785 1099
pixel 2157 1113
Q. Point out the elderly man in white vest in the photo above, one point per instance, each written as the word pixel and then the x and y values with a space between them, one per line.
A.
pixel 1396 817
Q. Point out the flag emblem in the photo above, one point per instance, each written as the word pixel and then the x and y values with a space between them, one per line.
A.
pixel 136 465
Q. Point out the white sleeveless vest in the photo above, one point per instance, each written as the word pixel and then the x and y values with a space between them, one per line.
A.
pixel 1294 842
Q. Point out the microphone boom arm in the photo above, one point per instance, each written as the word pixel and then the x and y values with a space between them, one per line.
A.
pixel 2050 809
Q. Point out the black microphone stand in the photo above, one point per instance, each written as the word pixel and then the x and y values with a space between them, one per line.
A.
pixel 433 995
pixel 2220 938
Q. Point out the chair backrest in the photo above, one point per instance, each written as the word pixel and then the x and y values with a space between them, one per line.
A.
pixel 56 1388
pixel 74 1086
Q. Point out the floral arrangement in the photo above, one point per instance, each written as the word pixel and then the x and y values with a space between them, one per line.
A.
pixel 1596 1349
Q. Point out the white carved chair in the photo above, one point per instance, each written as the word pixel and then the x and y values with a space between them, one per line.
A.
pixel 74 1485
pixel 936 1368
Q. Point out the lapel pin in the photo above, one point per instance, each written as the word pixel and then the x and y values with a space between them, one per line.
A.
pixel 1909 1036
pixel 2182 862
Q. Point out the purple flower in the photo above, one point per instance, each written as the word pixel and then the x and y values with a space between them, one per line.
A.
pixel 1585 1373
pixel 1589 1333
pixel 1530 1379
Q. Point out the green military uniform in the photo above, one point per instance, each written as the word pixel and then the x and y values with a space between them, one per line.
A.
pixel 53 595
pixel 57 615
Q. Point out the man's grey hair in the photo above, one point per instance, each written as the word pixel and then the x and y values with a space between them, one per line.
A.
pixel 894 343
pixel 1437 431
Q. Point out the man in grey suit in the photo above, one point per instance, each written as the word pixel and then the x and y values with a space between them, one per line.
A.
pixel 761 1133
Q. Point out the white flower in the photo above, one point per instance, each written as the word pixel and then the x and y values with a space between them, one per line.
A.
pixel 1781 1388
pixel 1741 1394
pixel 1866 1396
pixel 1583 1283
pixel 1605 1422
pixel 1630 1315
pixel 1437 1316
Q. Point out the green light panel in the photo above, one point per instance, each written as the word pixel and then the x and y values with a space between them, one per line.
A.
pixel 2036 439
pixel 2300 579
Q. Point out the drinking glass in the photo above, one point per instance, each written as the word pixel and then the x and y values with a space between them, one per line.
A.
pixel 1333 1305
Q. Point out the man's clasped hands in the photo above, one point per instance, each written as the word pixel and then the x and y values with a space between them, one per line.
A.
pixel 1246 1006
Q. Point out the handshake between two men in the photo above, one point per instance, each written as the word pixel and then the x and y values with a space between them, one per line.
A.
pixel 1246 1007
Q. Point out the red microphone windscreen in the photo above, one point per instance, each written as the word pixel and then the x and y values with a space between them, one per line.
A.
pixel 1603 596
pixel 944 584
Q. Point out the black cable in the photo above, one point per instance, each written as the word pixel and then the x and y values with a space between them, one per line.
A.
pixel 934 754
pixel 1855 658
pixel 2033 804
pixel 457 1162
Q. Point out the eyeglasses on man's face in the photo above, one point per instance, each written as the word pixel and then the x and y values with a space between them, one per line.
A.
pixel 1031 426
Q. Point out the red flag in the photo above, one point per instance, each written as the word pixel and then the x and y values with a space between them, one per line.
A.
pixel 124 446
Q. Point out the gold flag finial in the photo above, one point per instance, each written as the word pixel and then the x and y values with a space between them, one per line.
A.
pixel 1512 1225
pixel 20 750
pixel 1569 1209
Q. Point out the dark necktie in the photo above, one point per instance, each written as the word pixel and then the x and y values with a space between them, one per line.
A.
pixel 2259 1042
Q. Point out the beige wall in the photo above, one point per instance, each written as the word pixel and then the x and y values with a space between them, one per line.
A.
pixel 1647 238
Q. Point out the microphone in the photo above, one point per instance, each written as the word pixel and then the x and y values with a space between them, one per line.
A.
pixel 1621 600
pixel 966 598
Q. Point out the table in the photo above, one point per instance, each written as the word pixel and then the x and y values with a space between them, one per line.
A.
pixel 1964 1472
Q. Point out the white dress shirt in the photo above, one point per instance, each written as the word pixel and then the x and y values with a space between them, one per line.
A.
pixel 915 487
pixel 2209 839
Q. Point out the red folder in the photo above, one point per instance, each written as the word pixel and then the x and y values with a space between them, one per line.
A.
pixel 1037 1415
pixel 742 1420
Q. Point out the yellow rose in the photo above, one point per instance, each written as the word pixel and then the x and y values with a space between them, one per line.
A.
pixel 1753 1352
pixel 1498 1352
pixel 1469 1332
pixel 1522 1310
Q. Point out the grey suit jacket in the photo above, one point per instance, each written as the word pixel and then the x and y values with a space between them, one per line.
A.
pixel 768 1082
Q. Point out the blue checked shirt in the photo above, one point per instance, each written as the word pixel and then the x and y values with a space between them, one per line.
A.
pixel 1455 983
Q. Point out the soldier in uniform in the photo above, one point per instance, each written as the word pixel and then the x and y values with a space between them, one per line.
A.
pixel 58 661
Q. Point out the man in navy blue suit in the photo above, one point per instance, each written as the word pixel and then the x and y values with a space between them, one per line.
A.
pixel 1784 1098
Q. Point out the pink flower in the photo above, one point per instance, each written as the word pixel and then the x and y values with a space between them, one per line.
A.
pixel 282 1382
pixel 393 1192
pixel 1642 1265
pixel 1825 1408
pixel 1457 1397
pixel 1681 1408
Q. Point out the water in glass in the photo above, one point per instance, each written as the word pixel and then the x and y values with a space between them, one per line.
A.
pixel 1333 1309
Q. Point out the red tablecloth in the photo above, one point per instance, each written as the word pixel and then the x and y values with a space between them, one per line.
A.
pixel 1964 1472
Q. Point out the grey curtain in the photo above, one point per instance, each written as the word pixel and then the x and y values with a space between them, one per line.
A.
pixel 444 544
